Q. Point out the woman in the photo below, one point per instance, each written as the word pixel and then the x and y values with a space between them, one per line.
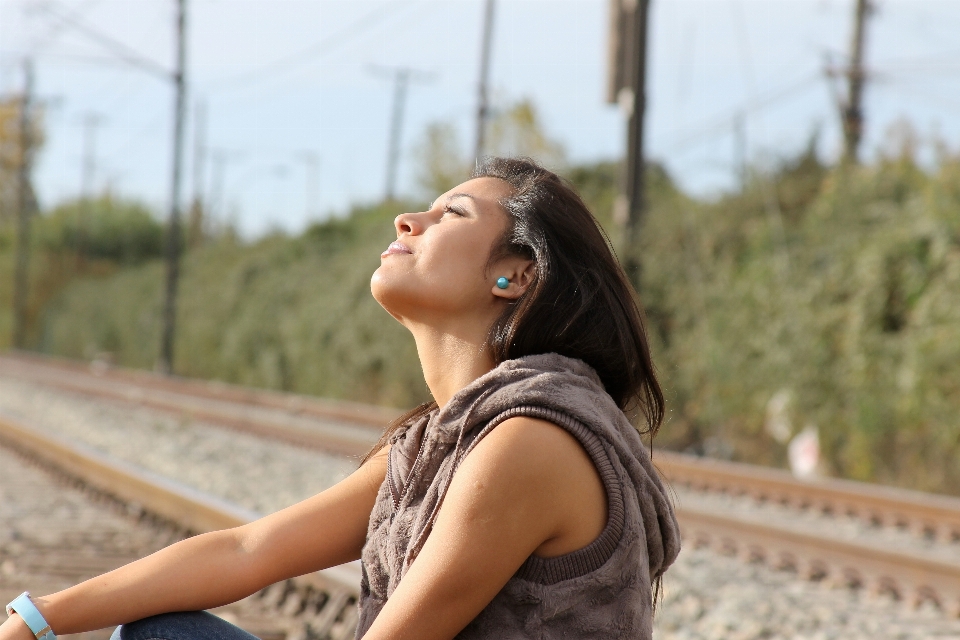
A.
pixel 519 503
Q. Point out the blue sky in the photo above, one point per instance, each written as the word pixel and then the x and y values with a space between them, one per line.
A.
pixel 283 79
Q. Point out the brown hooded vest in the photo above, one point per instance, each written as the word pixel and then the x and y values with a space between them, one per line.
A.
pixel 600 591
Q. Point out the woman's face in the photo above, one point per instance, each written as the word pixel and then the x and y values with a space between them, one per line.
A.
pixel 436 270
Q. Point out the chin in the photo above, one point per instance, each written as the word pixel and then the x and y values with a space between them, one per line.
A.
pixel 377 285
pixel 387 293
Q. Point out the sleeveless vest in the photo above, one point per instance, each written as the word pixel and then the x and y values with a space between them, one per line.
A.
pixel 600 591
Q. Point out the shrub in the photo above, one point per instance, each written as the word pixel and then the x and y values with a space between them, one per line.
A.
pixel 107 228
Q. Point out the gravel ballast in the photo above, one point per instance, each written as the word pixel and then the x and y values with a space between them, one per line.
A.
pixel 259 474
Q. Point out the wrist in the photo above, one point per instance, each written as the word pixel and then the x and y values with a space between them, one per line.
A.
pixel 14 628
pixel 30 616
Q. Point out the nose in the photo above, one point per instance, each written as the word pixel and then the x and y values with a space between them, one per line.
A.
pixel 407 223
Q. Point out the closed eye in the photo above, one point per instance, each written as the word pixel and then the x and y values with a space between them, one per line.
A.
pixel 455 211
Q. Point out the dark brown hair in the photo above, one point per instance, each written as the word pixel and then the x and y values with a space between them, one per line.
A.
pixel 580 303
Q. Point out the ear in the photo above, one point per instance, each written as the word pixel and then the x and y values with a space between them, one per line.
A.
pixel 520 274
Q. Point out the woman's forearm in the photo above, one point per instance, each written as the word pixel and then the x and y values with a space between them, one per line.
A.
pixel 205 571
pixel 217 568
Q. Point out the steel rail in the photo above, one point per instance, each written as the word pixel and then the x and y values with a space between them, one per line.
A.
pixel 910 576
pixel 333 590
pixel 889 506
pixel 360 414
pixel 343 428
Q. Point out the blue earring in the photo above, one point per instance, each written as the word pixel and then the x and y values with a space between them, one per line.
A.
pixel 502 282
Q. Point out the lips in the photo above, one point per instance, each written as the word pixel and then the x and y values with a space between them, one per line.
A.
pixel 395 248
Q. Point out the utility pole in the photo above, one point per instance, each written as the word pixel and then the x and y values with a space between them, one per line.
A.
pixel 636 182
pixel 88 167
pixel 740 148
pixel 199 149
pixel 219 160
pixel 173 240
pixel 401 77
pixel 483 104
pixel 852 110
pixel 25 206
pixel 198 208
pixel 401 80
pixel 311 162
pixel 87 171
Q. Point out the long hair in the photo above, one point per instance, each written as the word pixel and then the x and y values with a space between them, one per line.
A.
pixel 580 303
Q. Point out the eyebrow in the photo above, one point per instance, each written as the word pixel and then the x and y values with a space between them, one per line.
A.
pixel 455 195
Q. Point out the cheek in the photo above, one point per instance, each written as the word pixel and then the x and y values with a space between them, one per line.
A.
pixel 461 261
pixel 445 276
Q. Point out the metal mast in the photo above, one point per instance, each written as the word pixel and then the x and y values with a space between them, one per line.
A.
pixel 635 182
pixel 852 111
pixel 174 234
pixel 25 205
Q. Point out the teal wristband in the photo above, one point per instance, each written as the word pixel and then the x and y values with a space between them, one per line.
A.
pixel 28 611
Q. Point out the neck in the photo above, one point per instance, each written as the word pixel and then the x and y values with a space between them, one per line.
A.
pixel 451 360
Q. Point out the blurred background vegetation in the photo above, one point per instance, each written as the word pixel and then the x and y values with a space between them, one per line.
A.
pixel 814 295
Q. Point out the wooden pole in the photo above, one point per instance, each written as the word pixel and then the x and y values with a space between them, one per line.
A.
pixel 87 171
pixel 483 98
pixel 635 182
pixel 401 80
pixel 25 205
pixel 852 112
pixel 174 234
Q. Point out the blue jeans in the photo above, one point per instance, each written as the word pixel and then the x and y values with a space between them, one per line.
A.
pixel 188 625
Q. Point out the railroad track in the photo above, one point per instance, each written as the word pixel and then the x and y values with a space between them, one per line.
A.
pixel 351 429
pixel 338 427
pixel 318 605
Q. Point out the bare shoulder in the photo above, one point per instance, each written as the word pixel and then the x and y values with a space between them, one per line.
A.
pixel 374 470
pixel 535 443
pixel 540 465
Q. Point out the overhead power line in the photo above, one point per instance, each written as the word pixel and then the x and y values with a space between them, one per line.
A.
pixel 54 32
pixel 121 50
pixel 316 50
pixel 722 123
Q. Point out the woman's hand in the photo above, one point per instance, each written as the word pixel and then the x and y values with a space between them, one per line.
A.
pixel 14 628
pixel 527 488
pixel 218 568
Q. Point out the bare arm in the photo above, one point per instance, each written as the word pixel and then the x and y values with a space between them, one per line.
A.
pixel 217 568
pixel 527 488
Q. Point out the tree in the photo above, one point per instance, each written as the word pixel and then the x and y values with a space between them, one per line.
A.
pixel 114 229
pixel 441 165
pixel 517 131
pixel 12 154
pixel 514 131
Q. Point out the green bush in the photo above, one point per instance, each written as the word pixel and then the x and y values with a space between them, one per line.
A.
pixel 849 303
pixel 106 228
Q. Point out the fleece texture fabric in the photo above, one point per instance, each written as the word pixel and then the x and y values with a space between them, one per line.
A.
pixel 600 591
